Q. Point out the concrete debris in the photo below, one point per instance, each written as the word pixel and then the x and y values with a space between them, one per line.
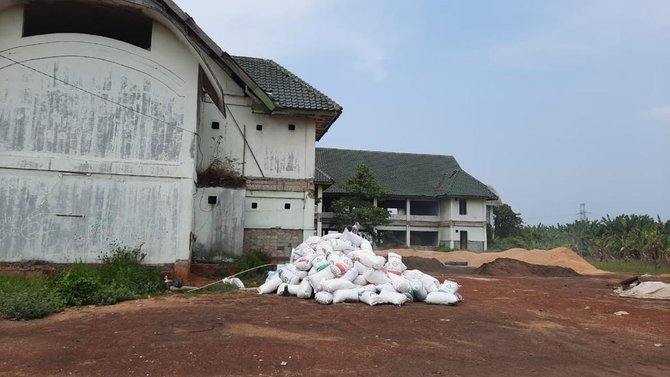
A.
pixel 343 267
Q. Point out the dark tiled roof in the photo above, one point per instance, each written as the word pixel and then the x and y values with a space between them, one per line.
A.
pixel 284 87
pixel 403 174
pixel 321 177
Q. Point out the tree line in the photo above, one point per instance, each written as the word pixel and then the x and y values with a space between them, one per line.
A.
pixel 622 237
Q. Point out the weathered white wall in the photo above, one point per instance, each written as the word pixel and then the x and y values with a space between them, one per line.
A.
pixel 275 152
pixel 476 210
pixel 129 123
pixel 219 228
pixel 270 212
pixel 278 152
pixel 63 217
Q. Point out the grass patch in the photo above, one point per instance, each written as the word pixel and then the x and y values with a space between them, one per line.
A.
pixel 636 267
pixel 27 298
pixel 253 259
pixel 120 276
pixel 216 288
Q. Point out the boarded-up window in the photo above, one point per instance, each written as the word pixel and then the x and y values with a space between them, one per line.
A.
pixel 123 24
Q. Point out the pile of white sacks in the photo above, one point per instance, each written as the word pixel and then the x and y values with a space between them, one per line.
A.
pixel 342 267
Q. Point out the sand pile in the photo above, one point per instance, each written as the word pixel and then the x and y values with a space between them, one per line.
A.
pixel 560 256
pixel 514 267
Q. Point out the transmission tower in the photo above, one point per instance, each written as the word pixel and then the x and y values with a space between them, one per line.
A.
pixel 582 212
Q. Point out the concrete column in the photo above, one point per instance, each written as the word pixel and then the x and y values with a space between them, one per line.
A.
pixel 407 227
pixel 319 210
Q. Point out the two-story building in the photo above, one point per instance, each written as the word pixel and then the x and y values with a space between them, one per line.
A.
pixel 432 201
pixel 111 113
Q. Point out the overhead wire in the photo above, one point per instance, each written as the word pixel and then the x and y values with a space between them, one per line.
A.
pixel 96 95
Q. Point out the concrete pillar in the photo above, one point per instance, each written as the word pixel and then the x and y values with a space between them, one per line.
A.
pixel 319 210
pixel 407 227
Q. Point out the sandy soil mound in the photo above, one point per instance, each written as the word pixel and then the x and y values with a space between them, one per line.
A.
pixel 509 267
pixel 427 265
pixel 560 256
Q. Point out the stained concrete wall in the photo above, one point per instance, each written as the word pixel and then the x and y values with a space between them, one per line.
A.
pixel 81 103
pixel 219 227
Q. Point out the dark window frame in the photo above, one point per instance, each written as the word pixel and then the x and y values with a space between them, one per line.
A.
pixel 462 206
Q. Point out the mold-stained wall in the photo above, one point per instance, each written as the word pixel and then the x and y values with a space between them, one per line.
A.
pixel 126 116
pixel 274 152
pixel 219 226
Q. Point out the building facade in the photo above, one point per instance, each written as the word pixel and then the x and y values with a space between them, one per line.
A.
pixel 112 111
pixel 432 201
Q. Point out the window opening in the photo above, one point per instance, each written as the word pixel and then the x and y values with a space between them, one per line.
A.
pixel 122 24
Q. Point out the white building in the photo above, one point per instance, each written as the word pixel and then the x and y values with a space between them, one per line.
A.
pixel 111 109
pixel 433 202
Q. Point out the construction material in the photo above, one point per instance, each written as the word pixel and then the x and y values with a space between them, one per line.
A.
pixel 657 290
pixel 343 267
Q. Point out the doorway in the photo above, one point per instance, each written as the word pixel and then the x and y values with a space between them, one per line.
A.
pixel 464 240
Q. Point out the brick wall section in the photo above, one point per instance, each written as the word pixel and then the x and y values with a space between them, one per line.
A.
pixel 276 242
pixel 270 184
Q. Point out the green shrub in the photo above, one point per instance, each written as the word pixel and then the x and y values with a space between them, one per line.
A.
pixel 80 285
pixel 22 298
pixel 123 270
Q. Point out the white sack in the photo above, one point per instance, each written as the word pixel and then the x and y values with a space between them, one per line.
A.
pixel 366 245
pixel 350 275
pixel 449 286
pixel 341 245
pixel 324 298
pixel 354 239
pixel 312 241
pixel 341 265
pixel 320 262
pixel 361 268
pixel 394 264
pixel 399 283
pixel 418 289
pixel 270 285
pixel 305 289
pixel 332 285
pixel 304 263
pixel 233 281
pixel 441 298
pixel 430 283
pixel 287 275
pixel 370 298
pixel 345 295
pixel 376 262
pixel 331 236
pixel 376 277
pixel 316 279
pixel 288 289
pixel 360 280
pixel 391 297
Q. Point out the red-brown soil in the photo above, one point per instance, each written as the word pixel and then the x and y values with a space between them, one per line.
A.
pixel 507 326
pixel 514 267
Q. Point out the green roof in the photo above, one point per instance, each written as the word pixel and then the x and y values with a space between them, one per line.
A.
pixel 403 174
pixel 285 88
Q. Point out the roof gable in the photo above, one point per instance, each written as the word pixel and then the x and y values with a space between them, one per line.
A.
pixel 403 174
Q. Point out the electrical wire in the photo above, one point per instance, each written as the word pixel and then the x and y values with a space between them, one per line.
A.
pixel 97 95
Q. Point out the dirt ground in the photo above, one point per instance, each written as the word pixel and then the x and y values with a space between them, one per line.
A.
pixel 507 326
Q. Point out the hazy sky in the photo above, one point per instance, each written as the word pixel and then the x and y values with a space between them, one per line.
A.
pixel 554 103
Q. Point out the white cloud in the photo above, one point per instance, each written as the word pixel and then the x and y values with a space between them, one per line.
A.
pixel 292 29
pixel 591 29
pixel 662 112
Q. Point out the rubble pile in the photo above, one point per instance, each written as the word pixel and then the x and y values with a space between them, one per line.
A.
pixel 342 267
